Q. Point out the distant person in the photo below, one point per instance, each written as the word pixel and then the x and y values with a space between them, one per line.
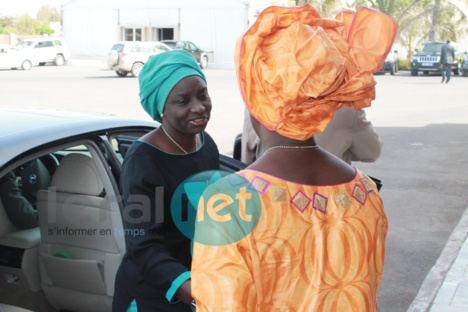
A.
pixel 447 55
pixel 349 136
pixel 19 210
pixel 315 239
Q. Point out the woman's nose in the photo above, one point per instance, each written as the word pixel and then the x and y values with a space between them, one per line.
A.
pixel 198 106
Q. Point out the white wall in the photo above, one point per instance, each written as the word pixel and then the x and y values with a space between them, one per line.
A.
pixel 217 30
pixel 90 33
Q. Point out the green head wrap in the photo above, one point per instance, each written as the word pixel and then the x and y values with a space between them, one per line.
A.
pixel 160 74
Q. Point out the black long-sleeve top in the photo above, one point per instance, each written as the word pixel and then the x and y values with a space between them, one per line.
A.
pixel 158 256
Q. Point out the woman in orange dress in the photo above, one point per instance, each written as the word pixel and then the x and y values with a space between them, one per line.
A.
pixel 299 229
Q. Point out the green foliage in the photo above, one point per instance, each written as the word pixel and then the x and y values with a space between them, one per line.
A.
pixel 26 25
pixel 5 23
pixel 404 64
pixel 44 29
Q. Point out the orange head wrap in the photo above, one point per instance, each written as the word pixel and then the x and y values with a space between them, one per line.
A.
pixel 295 68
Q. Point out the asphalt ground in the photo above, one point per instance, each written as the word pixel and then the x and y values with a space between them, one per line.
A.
pixel 423 166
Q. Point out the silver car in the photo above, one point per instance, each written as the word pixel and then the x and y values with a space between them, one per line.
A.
pixel 130 56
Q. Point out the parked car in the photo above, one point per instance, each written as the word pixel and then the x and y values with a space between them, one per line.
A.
pixel 130 56
pixel 391 63
pixel 70 260
pixel 14 59
pixel 427 59
pixel 46 50
pixel 200 55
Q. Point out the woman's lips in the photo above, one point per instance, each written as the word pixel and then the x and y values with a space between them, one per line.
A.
pixel 199 121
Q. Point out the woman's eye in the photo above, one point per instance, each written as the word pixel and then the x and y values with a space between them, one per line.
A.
pixel 204 96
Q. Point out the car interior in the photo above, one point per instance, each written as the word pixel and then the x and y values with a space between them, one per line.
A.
pixel 69 262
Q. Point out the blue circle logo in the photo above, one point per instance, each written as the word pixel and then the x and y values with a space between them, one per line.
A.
pixel 216 207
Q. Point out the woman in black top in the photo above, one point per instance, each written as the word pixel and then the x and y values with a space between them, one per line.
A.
pixel 155 272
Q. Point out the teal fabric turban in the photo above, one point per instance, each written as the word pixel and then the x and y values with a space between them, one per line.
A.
pixel 160 74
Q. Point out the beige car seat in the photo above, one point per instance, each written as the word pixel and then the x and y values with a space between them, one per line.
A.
pixel 80 250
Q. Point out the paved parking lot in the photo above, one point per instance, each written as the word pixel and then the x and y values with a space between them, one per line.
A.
pixel 423 123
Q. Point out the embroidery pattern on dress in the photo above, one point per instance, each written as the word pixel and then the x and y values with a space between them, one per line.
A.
pixel 300 201
pixel 343 200
pixel 320 203
pixel 278 194
pixel 367 185
pixel 260 184
pixel 359 194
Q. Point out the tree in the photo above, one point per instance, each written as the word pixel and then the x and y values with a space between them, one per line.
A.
pixel 6 24
pixel 48 14
pixel 424 20
pixel 26 25
pixel 327 8
pixel 435 20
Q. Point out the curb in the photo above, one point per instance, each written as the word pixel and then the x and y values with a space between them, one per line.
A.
pixel 436 276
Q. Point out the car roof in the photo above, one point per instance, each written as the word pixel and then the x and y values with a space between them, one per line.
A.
pixel 41 39
pixel 128 44
pixel 22 129
pixel 139 42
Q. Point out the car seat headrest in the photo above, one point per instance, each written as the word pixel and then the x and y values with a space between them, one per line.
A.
pixel 77 174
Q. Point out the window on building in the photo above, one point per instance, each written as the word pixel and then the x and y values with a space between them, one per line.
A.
pixel 162 34
pixel 133 34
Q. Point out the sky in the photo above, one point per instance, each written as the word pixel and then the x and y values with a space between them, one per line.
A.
pixel 21 7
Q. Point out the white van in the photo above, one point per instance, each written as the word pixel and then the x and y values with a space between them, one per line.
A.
pixel 46 50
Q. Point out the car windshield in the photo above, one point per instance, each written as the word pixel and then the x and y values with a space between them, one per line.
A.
pixel 432 47
pixel 24 43
pixel 172 44
pixel 118 47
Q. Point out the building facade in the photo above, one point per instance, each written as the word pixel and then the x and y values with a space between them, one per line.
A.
pixel 92 27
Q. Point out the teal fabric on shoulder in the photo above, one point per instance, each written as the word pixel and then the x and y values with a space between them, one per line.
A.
pixel 132 307
pixel 159 76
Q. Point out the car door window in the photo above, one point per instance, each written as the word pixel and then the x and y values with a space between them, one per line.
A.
pixel 135 48
pixel 160 48
pixel 192 47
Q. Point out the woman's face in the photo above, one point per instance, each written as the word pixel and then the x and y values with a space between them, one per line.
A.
pixel 188 106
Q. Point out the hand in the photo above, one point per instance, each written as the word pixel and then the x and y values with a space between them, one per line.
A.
pixel 184 293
